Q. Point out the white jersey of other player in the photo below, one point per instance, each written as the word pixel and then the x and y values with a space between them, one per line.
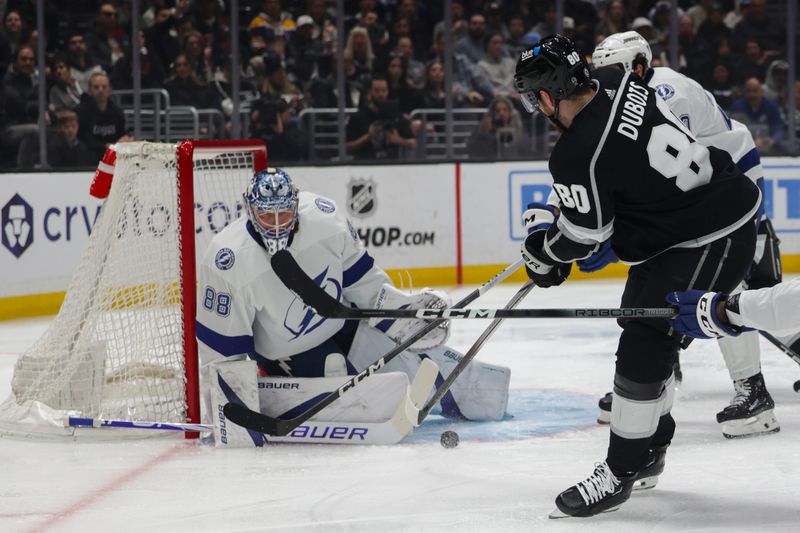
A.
pixel 242 305
pixel 775 309
pixel 710 125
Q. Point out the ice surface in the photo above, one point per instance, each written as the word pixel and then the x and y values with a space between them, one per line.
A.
pixel 503 476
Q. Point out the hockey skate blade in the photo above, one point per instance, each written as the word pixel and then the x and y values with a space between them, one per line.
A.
pixel 763 423
pixel 557 514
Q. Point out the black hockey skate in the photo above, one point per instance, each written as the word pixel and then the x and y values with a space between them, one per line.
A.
pixel 605 408
pixel 647 477
pixel 601 492
pixel 751 411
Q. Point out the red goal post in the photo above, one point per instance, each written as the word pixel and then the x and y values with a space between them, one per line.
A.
pixel 123 345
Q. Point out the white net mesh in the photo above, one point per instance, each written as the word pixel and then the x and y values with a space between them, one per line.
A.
pixel 115 350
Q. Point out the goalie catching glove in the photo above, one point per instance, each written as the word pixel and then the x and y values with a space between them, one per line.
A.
pixel 540 267
pixel 399 330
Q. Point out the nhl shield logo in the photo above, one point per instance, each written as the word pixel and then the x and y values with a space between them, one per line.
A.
pixel 361 197
pixel 16 224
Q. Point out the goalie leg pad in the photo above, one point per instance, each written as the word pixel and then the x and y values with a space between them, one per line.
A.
pixel 385 406
pixel 479 393
pixel 374 400
pixel 235 382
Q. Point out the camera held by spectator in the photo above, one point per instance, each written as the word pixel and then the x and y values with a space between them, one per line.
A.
pixel 499 134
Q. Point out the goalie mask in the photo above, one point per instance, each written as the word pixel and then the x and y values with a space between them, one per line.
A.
pixel 271 200
pixel 554 66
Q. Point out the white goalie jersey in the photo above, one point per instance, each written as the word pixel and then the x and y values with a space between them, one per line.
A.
pixel 710 125
pixel 244 309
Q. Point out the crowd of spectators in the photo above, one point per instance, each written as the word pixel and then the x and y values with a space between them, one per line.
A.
pixel 394 63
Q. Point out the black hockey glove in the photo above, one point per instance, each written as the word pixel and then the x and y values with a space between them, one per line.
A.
pixel 766 269
pixel 541 269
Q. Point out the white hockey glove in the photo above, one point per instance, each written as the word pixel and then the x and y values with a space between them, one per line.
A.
pixel 390 297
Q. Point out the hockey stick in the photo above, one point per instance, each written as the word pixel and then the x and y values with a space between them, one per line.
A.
pixel 241 415
pixel 472 352
pixel 392 431
pixel 781 346
pixel 78 422
pixel 326 305
pixel 785 349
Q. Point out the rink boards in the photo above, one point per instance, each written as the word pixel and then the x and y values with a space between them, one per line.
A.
pixel 433 224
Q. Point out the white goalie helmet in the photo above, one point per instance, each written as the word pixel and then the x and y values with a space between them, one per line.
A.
pixel 622 48
pixel 271 200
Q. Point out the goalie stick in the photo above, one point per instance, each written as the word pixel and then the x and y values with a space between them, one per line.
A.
pixel 472 352
pixel 245 417
pixel 326 305
pixel 80 422
pixel 392 431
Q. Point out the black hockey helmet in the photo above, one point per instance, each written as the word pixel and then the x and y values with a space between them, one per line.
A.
pixel 553 65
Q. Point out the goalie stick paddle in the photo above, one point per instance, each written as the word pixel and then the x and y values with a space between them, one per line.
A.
pixel 80 422
pixel 287 270
pixel 472 352
pixel 326 305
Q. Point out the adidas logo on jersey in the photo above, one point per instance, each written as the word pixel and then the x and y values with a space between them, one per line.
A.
pixel 611 93
pixel 526 54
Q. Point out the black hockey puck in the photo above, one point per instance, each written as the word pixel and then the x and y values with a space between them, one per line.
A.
pixel 449 439
pixel 796 387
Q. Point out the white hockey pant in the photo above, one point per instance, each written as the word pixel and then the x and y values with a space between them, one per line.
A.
pixel 742 354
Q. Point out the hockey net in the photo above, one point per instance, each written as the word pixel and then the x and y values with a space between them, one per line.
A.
pixel 122 345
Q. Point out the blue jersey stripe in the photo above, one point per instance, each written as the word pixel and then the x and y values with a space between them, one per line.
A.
pixel 725 117
pixel 357 271
pixel 748 161
pixel 224 344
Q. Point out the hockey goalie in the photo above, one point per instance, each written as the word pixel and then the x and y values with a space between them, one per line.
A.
pixel 260 346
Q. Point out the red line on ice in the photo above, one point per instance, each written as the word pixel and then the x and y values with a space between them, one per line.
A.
pixel 55 518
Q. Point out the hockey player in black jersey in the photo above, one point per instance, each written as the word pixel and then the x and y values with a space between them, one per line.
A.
pixel 626 169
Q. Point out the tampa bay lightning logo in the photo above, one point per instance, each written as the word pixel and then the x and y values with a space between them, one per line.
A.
pixel 16 225
pixel 300 319
pixel 324 205
pixel 665 91
pixel 225 259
